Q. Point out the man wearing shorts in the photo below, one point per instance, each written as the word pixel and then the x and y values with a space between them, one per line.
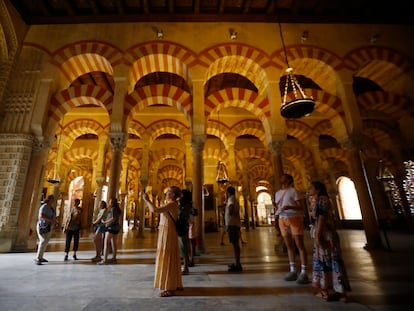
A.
pixel 291 215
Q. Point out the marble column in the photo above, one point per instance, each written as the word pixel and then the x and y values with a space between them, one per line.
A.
pixel 118 143
pixel 276 154
pixel 188 164
pixel 98 196
pixel 197 143
pixel 27 218
pixel 314 147
pixel 144 178
pixel 99 173
pixel 245 191
pixel 232 170
pixel 368 211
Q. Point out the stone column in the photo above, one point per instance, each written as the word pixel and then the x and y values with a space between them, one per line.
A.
pixel 314 147
pixel 232 170
pixel 368 211
pixel 246 195
pixel 99 173
pixel 27 218
pixel 98 198
pixel 276 154
pixel 144 178
pixel 118 143
pixel 188 164
pixel 197 143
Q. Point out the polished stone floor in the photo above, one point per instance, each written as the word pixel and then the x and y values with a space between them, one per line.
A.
pixel 381 280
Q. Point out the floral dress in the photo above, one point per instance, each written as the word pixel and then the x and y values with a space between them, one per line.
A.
pixel 328 267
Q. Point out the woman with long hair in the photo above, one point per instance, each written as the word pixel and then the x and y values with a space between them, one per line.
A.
pixel 329 273
pixel 112 223
pixel 167 263
pixel 100 230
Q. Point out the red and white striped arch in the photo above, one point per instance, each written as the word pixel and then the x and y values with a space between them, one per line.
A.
pixel 158 94
pixel 157 156
pixel 249 127
pixel 393 105
pixel 79 65
pixel 299 130
pixel 243 66
pixel 210 55
pixel 297 52
pixel 164 48
pixel 157 63
pixel 166 126
pixel 80 153
pixel 81 127
pixel 64 101
pixel 358 58
pixel 238 97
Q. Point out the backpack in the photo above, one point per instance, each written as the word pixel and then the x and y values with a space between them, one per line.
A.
pixel 181 224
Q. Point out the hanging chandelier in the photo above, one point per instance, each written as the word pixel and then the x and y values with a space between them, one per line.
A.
pixel 301 105
pixel 222 177
pixel 384 174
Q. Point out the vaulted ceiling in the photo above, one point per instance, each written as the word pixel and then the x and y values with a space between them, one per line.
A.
pixel 288 11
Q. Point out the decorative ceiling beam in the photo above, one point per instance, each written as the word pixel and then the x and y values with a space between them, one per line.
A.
pixel 247 5
pixel 197 6
pixel 171 7
pixel 145 4
pixel 120 7
pixel 94 7
pixel 44 8
pixel 69 8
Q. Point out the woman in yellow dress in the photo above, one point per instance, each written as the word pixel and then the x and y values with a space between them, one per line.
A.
pixel 167 263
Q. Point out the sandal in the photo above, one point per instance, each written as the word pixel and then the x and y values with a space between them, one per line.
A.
pixel 166 293
pixel 323 295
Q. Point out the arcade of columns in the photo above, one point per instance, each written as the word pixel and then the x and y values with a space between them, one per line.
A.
pixel 154 123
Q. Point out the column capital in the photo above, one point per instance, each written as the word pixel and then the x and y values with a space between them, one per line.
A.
pixel 40 144
pixel 275 147
pixel 198 142
pixel 351 143
pixel 100 181
pixel 118 140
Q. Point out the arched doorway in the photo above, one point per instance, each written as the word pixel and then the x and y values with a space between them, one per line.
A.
pixel 348 203
pixel 265 209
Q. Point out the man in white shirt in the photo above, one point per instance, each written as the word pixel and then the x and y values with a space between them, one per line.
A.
pixel 291 216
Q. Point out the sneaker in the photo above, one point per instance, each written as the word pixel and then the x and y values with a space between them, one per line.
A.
pixel 38 262
pixel 291 276
pixel 303 279
pixel 96 259
pixel 43 260
pixel 74 257
pixel 66 258
pixel 102 262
